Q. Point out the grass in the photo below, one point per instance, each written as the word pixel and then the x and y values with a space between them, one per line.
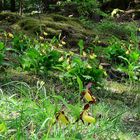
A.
pixel 29 113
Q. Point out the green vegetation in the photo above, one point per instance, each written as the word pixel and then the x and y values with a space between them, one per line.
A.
pixel 69 70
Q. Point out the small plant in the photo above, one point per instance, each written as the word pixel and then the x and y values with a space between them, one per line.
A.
pixel 21 42
pixel 133 65
pixel 114 50
pixel 2 127
pixel 85 68
pixel 40 57
pixel 81 46
pixel 84 115
pixel 2 53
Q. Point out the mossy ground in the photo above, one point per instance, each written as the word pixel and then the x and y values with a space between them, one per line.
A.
pixel 53 24
pixel 72 29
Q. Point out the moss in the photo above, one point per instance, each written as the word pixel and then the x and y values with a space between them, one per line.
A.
pixel 9 17
pixel 42 17
pixel 57 17
pixel 108 28
pixel 31 25
pixel 53 32
pixel 54 25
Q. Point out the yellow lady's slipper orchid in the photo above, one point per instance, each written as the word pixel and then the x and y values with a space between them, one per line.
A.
pixel 100 67
pixel 62 118
pixel 92 56
pixel 61 59
pixel 127 52
pixel 87 95
pixel 10 35
pixel 44 33
pixel 41 38
pixel 84 54
pixel 68 67
pixel 85 117
pixel 63 42
pixel 88 66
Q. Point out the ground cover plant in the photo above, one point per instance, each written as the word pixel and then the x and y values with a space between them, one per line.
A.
pixel 69 70
pixel 31 111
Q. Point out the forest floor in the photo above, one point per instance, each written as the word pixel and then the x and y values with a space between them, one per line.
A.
pixel 29 102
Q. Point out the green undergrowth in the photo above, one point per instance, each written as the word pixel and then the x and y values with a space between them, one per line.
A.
pixel 39 76
pixel 29 113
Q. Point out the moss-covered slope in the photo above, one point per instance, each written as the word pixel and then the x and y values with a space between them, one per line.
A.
pixel 69 28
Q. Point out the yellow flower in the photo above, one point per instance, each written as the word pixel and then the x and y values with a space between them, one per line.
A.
pixel 68 60
pixel 62 118
pixel 87 118
pixel 100 67
pixel 45 33
pixel 87 95
pixel 71 53
pixel 88 66
pixel 41 38
pixel 63 42
pixel 92 56
pixel 68 67
pixel 127 52
pixel 61 59
pixel 105 73
pixel 84 54
pixel 60 45
pixel 10 35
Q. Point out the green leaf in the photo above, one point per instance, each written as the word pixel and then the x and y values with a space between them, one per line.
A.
pixel 2 127
pixel 61 99
pixel 80 83
pixel 1 45
pixel 124 59
pixel 75 110
pixel 81 45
